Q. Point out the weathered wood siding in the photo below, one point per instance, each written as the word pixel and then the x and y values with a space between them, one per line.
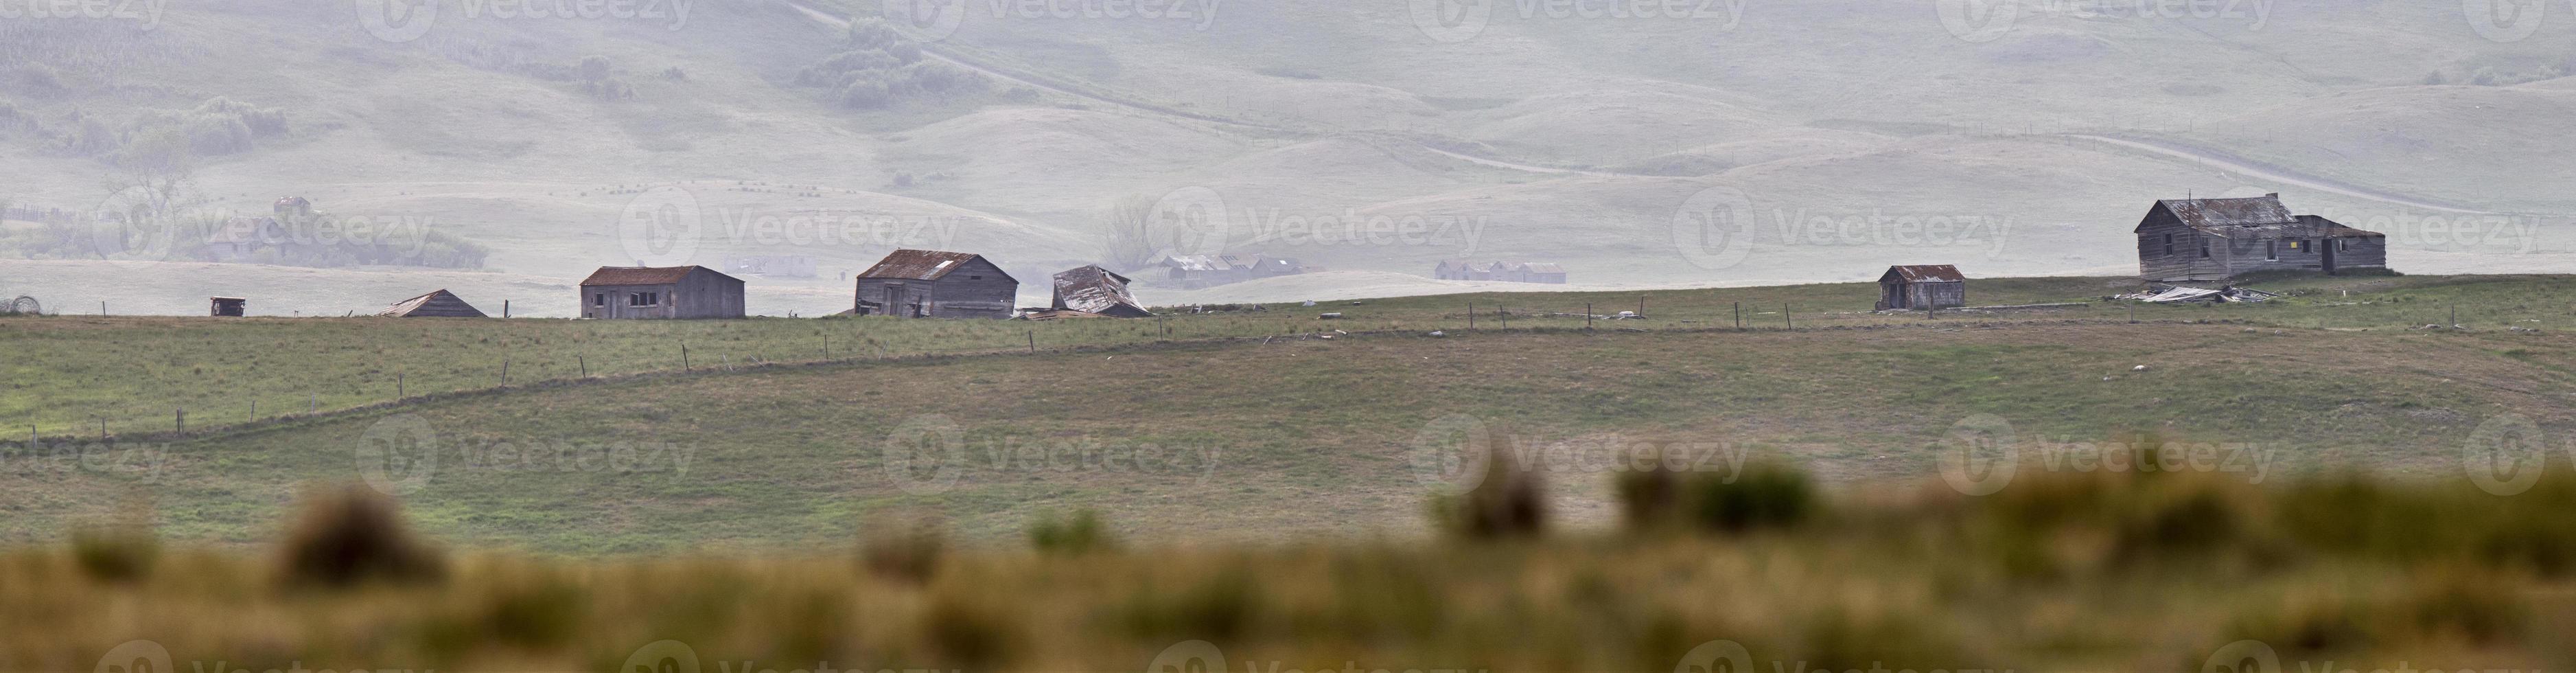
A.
pixel 698 295
pixel 977 289
pixel 703 294
pixel 1918 296
pixel 2185 261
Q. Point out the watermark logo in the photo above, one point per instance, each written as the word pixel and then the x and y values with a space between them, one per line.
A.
pixel 1187 221
pixel 1979 455
pixel 137 223
pixel 1451 452
pixel 662 656
pixel 37 460
pixel 2243 656
pixel 135 656
pixel 406 20
pixel 1977 20
pixel 1713 228
pixel 1194 656
pixel 2505 20
pixel 1716 656
pixel 1451 21
pixel 397 454
pixel 2505 454
pixel 924 20
pixel 925 454
pixel 661 227
pixel 397 20
pixel 144 13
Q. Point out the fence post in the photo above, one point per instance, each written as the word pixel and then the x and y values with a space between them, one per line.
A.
pixel 398 386
pixel 254 409
pixel 1471 315
pixel 182 422
pixel 1784 316
pixel 1739 315
pixel 1033 342
pixel 684 357
pixel 585 365
pixel 505 371
pixel 1587 315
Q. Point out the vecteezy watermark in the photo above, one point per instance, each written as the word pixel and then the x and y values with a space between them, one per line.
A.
pixel 1199 656
pixel 145 656
pixel 1981 454
pixel 929 454
pixel 407 20
pixel 1460 20
pixel 38 460
pixel 1715 228
pixel 145 13
pixel 1727 656
pixel 2506 20
pixel 667 225
pixel 1986 20
pixel 2496 233
pixel 145 223
pixel 672 656
pixel 935 20
pixel 2255 656
pixel 399 454
pixel 1452 452
pixel 2506 454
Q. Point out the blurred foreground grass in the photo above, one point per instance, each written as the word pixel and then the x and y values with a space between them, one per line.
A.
pixel 2064 571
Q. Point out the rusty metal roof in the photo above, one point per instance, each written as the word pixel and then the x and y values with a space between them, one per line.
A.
pixel 1924 273
pixel 2244 212
pixel 918 264
pixel 436 303
pixel 642 275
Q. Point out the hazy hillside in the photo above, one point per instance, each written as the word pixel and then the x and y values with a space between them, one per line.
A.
pixel 1523 136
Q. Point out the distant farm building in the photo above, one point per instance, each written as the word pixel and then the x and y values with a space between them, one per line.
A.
pixel 1091 289
pixel 241 238
pixel 1508 272
pixel 1921 287
pixel 226 307
pixel 785 266
pixel 936 284
pixel 1198 271
pixel 660 292
pixel 2217 239
pixel 436 304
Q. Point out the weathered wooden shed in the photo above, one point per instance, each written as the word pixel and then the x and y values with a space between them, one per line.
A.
pixel 227 307
pixel 436 304
pixel 2217 239
pixel 936 284
pixel 1922 286
pixel 1091 289
pixel 660 292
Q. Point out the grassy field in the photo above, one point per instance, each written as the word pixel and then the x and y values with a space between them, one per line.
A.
pixel 1231 439
pixel 2068 572
pixel 67 374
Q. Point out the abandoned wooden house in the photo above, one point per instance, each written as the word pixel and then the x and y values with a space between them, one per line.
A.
pixel 227 307
pixel 658 292
pixel 436 304
pixel 2218 239
pixel 1091 289
pixel 936 284
pixel 1921 287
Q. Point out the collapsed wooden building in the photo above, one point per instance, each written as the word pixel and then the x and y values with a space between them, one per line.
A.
pixel 1091 289
pixel 436 304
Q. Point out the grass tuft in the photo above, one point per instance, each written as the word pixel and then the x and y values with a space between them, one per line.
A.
pixel 351 534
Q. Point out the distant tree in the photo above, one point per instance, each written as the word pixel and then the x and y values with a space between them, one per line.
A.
pixel 594 68
pixel 1126 233
pixel 2435 78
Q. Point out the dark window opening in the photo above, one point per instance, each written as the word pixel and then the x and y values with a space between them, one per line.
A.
pixel 2204 249
pixel 2168 245
pixel 599 299
pixel 643 299
pixel 2271 250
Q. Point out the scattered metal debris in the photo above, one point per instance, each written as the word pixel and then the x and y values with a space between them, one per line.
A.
pixel 2171 294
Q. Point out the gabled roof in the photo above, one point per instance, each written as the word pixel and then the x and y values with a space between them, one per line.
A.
pixel 2332 229
pixel 2206 214
pixel 923 265
pixel 643 275
pixel 1923 273
pixel 438 303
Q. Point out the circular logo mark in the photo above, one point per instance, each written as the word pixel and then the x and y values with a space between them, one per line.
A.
pixel 1716 656
pixel 397 20
pixel 924 455
pixel 2243 656
pixel 663 656
pixel 1451 452
pixel 661 227
pixel 1977 20
pixel 1979 455
pixel 1187 221
pixel 397 454
pixel 2505 454
pixel 139 223
pixel 135 656
pixel 2504 20
pixel 1451 21
pixel 925 20
pixel 1713 229
pixel 1196 656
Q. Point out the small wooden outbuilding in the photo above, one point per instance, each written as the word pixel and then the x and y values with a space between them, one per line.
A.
pixel 936 284
pixel 651 292
pixel 1922 286
pixel 436 304
pixel 227 307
